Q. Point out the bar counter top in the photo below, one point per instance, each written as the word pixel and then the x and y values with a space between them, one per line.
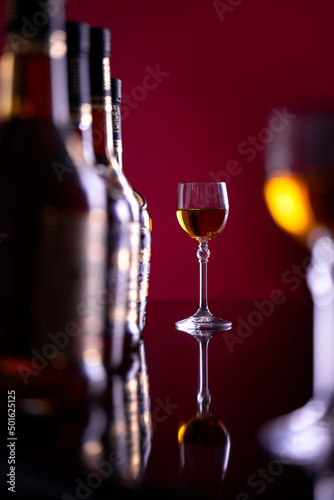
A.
pixel 260 369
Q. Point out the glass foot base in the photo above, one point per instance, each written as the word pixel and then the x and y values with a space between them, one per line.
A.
pixel 203 325
pixel 304 437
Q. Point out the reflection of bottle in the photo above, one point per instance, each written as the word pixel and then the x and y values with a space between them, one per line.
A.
pixel 53 211
pixel 204 442
pixel 123 211
pixel 145 220
pixel 118 436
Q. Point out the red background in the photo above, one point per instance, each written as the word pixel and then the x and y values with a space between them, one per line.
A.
pixel 223 73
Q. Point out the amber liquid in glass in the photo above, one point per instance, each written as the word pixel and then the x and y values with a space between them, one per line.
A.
pixel 202 222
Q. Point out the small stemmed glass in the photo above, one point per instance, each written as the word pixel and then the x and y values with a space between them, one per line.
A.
pixel 202 210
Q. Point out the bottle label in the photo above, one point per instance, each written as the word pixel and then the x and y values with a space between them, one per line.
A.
pixel 72 263
pixel 144 265
pixel 116 122
pixel 122 276
pixel 98 102
pixel 117 134
pixel 118 146
pixel 144 262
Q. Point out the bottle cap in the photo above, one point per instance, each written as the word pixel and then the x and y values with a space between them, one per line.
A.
pixel 116 91
pixel 100 47
pixel 33 18
pixel 78 37
pixel 100 42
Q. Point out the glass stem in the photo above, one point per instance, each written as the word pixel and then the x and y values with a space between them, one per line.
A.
pixel 203 254
pixel 203 396
pixel 320 282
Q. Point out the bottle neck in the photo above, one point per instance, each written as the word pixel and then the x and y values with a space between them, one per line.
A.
pixel 34 77
pixel 117 134
pixel 102 110
pixel 102 129
pixel 82 149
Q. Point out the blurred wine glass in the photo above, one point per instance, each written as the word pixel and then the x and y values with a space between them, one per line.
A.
pixel 299 193
pixel 324 487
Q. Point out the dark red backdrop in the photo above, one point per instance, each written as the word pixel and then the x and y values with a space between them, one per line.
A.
pixel 198 80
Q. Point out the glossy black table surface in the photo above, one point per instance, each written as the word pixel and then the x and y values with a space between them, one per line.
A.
pixel 260 369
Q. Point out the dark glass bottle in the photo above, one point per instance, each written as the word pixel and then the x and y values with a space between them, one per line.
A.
pixel 145 219
pixel 53 212
pixel 124 239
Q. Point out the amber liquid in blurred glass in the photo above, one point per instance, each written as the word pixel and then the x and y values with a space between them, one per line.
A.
pixel 299 202
pixel 202 223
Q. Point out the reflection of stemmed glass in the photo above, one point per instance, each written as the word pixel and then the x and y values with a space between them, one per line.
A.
pixel 204 441
pixel 299 192
pixel 202 211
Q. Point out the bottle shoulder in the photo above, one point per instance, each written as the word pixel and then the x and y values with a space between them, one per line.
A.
pixel 120 190
pixel 141 200
pixel 35 162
